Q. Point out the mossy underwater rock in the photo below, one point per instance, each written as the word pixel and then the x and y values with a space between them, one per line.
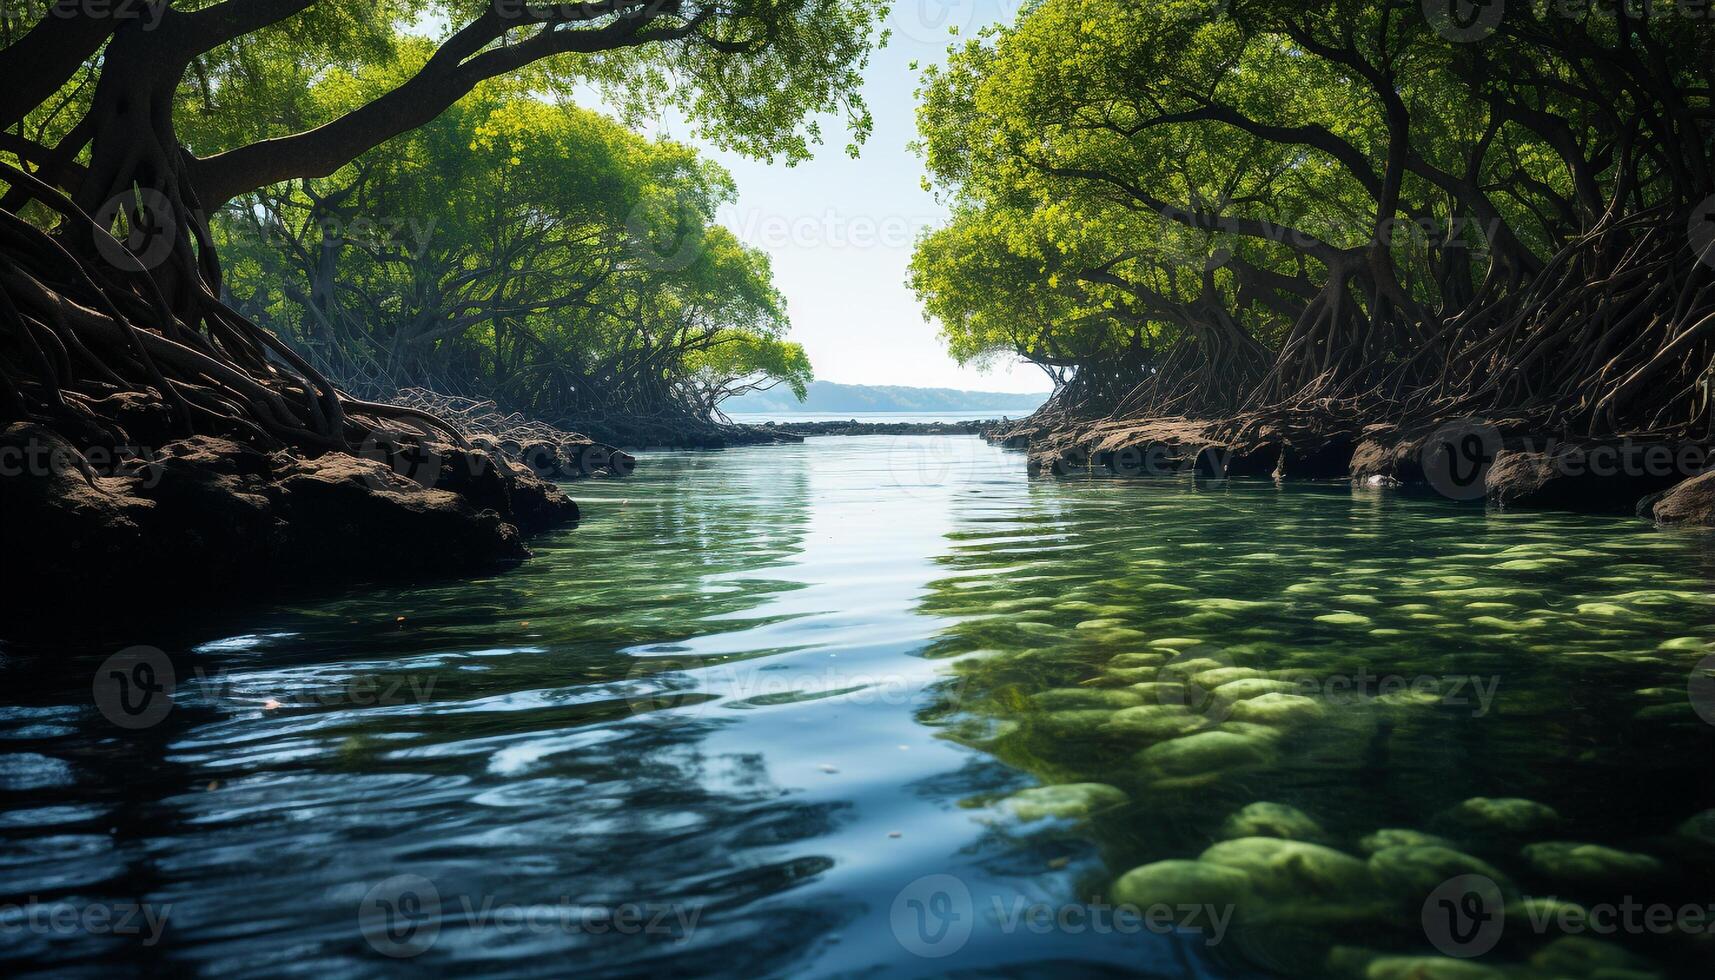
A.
pixel 1181 883
pixel 1084 698
pixel 1410 873
pixel 1205 754
pixel 1073 722
pixel 1700 827
pixel 1583 957
pixel 1155 721
pixel 1064 801
pixel 1292 868
pixel 1367 965
pixel 1126 661
pixel 1383 839
pixel 1277 710
pixel 1264 819
pixel 1504 815
pixel 1572 861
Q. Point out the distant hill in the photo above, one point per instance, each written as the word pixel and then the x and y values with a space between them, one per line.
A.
pixel 827 397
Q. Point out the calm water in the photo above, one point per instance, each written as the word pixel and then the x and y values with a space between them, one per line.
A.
pixel 761 418
pixel 873 706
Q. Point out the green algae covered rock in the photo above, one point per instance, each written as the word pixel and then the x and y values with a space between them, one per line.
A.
pixel 1276 709
pixel 1292 868
pixel 1381 840
pixel 1547 911
pixel 1073 698
pixel 1508 815
pixel 1570 861
pixel 1205 753
pixel 1156 720
pixel 1211 679
pixel 1272 820
pixel 1178 883
pixel 1162 692
pixel 1065 800
pixel 1121 661
pixel 1700 827
pixel 1581 956
pixel 1411 873
pixel 1428 968
pixel 1078 721
pixel 1343 618
pixel 1253 687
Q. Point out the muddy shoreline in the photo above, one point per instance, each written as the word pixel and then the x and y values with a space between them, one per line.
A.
pixel 1507 463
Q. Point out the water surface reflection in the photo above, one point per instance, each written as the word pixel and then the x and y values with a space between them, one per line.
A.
pixel 733 721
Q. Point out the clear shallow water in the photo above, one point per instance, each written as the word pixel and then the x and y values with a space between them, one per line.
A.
pixel 783 418
pixel 731 723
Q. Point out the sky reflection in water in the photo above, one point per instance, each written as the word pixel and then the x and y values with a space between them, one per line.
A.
pixel 728 723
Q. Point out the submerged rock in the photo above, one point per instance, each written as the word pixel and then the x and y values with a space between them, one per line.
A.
pixel 1252 687
pixel 1181 883
pixel 1507 815
pixel 1412 872
pixel 1065 800
pixel 1205 753
pixel 1211 679
pixel 1155 720
pixel 1701 827
pixel 1381 840
pixel 1123 661
pixel 1272 820
pixel 1427 968
pixel 1077 721
pixel 1581 956
pixel 1067 698
pixel 1277 709
pixel 1292 868
pixel 1571 861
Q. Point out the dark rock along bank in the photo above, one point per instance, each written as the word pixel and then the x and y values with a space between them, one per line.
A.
pixel 1664 479
pixel 205 520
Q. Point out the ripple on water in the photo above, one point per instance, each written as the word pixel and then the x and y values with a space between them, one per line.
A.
pixel 781 685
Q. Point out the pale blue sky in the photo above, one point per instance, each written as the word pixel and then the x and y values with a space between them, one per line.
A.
pixel 840 230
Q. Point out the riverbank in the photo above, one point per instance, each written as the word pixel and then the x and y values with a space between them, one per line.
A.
pixel 151 521
pixel 1508 462
pixel 203 521
pixel 858 427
